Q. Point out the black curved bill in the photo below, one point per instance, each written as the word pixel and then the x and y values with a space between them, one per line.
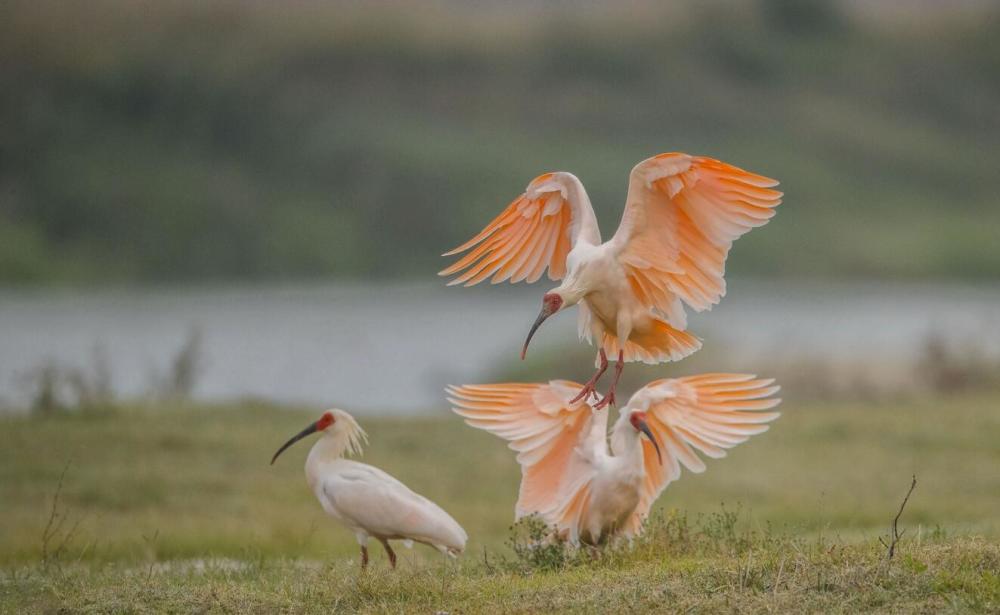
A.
pixel 538 322
pixel 302 434
pixel 649 434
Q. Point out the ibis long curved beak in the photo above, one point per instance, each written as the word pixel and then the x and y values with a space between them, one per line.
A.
pixel 302 434
pixel 644 428
pixel 538 322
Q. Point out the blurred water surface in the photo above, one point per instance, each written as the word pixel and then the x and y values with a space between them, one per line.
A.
pixel 390 348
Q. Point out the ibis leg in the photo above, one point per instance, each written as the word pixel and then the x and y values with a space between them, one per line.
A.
pixel 390 552
pixel 364 557
pixel 610 397
pixel 589 388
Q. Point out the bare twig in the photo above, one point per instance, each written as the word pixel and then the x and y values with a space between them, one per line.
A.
pixel 54 524
pixel 67 538
pixel 896 534
pixel 151 546
pixel 55 541
pixel 486 561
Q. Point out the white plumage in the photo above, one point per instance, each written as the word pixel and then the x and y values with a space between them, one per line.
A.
pixel 367 500
pixel 682 215
pixel 588 492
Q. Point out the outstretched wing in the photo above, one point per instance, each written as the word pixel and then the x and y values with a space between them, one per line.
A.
pixel 708 413
pixel 682 215
pixel 551 436
pixel 532 234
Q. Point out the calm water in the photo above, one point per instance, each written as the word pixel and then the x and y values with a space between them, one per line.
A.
pixel 391 348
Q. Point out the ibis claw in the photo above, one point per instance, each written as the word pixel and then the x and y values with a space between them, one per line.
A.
pixel 587 390
pixel 607 400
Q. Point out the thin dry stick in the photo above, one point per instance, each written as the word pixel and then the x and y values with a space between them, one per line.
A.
pixel 67 538
pixel 486 561
pixel 54 517
pixel 896 534
pixel 151 543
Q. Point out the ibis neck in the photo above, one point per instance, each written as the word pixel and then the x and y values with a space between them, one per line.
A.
pixel 571 291
pixel 589 231
pixel 633 447
pixel 629 446
pixel 329 447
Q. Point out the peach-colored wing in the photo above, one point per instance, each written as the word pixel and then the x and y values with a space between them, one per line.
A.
pixel 708 413
pixel 682 215
pixel 532 234
pixel 547 433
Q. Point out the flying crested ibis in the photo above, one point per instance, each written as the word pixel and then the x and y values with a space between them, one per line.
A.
pixel 682 214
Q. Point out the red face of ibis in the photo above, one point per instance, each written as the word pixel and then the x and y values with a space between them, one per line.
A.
pixel 551 302
pixel 325 421
pixel 638 421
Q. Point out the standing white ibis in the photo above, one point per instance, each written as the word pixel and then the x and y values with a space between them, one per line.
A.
pixel 589 493
pixel 682 214
pixel 369 502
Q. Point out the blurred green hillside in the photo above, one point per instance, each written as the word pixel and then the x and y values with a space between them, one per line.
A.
pixel 145 141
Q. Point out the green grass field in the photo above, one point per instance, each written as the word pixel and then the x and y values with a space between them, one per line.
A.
pixel 176 509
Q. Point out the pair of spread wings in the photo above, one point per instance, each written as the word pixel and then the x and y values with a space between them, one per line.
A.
pixel 682 215
pixel 708 413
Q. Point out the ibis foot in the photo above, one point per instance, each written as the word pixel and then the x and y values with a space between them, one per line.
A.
pixel 609 398
pixel 589 388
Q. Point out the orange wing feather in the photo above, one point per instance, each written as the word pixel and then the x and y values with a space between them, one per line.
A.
pixel 544 429
pixel 708 413
pixel 682 215
pixel 531 235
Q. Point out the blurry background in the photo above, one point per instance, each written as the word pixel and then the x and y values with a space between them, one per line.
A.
pixel 150 142
pixel 274 183
pixel 210 201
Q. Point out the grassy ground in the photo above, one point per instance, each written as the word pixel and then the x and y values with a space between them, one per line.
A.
pixel 176 509
pixel 947 576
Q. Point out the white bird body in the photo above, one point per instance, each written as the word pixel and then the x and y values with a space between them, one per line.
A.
pixel 597 279
pixel 368 501
pixel 682 215
pixel 615 490
pixel 590 492
pixel 371 503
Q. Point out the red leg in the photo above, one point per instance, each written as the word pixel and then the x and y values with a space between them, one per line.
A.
pixel 392 554
pixel 589 387
pixel 364 557
pixel 610 397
